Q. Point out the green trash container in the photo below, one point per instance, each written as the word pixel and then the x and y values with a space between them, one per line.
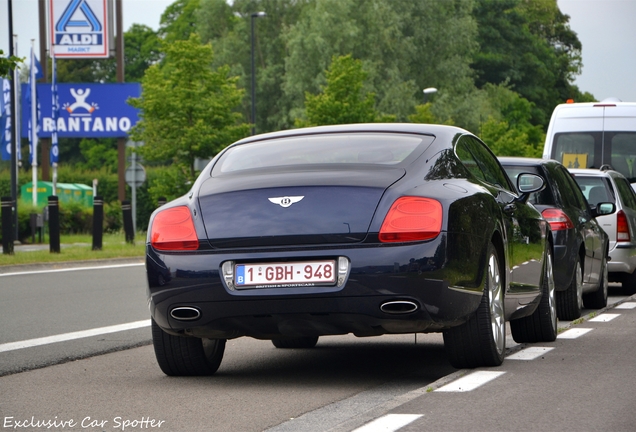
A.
pixel 87 194
pixel 44 190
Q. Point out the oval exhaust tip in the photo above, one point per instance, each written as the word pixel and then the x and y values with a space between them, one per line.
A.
pixel 185 313
pixel 398 307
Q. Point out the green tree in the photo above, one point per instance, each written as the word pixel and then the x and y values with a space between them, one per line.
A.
pixel 187 109
pixel 528 46
pixel 8 63
pixel 178 21
pixel 98 154
pixel 342 100
pixel 405 46
pixel 142 49
pixel 423 114
pixel 507 128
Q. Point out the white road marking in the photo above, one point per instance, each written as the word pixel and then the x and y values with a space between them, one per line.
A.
pixel 605 317
pixel 71 269
pixel 626 305
pixel 389 423
pixel 470 382
pixel 573 333
pixel 530 353
pixel 12 346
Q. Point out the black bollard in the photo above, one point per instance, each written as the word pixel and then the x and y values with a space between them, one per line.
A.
pixel 98 222
pixel 126 209
pixel 161 201
pixel 54 225
pixel 7 225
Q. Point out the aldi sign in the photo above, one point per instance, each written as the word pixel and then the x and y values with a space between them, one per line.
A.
pixel 86 110
pixel 80 28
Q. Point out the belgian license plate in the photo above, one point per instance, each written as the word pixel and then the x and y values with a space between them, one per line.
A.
pixel 307 273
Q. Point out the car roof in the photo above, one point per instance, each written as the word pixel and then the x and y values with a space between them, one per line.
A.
pixel 441 131
pixel 591 172
pixel 523 161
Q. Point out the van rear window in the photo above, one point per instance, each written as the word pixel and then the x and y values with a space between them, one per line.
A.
pixel 575 150
pixel 595 149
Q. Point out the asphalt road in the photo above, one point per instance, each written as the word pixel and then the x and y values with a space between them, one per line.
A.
pixel 51 300
pixel 344 383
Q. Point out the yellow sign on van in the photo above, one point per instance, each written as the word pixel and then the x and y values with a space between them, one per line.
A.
pixel 575 160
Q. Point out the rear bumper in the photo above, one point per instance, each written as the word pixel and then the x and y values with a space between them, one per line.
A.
pixel 623 259
pixel 444 294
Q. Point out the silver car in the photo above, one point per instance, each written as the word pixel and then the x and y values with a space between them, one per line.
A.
pixel 607 185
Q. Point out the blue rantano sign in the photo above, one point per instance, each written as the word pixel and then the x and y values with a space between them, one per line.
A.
pixel 85 110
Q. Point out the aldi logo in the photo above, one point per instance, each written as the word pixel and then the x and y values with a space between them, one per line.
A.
pixel 79 28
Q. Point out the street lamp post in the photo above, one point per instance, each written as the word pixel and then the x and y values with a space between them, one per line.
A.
pixel 428 91
pixel 254 15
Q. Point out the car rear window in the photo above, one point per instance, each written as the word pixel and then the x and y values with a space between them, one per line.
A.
pixel 352 148
pixel 595 189
pixel 543 197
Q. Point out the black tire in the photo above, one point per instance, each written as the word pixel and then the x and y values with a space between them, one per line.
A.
pixel 186 356
pixel 299 342
pixel 570 301
pixel 481 341
pixel 541 326
pixel 629 283
pixel 598 299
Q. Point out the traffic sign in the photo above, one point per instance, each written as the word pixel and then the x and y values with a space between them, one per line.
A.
pixel 135 175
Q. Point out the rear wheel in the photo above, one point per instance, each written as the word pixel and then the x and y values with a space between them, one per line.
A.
pixel 541 326
pixel 570 301
pixel 629 283
pixel 186 356
pixel 598 299
pixel 299 342
pixel 481 341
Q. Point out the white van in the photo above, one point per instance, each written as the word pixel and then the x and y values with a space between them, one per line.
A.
pixel 590 135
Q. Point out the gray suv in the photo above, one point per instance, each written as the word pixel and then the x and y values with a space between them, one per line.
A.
pixel 606 185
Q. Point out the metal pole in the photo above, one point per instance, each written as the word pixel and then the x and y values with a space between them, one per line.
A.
pixel 254 16
pixel 34 127
pixel 45 143
pixel 253 82
pixel 121 142
pixel 134 192
pixel 14 147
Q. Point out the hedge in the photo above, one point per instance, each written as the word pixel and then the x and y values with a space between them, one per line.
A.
pixel 75 218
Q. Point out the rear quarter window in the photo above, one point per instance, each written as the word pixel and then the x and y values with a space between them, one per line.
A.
pixel 596 189
pixel 626 193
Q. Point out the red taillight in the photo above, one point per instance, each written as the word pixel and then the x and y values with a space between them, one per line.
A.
pixel 622 227
pixel 557 219
pixel 173 229
pixel 412 219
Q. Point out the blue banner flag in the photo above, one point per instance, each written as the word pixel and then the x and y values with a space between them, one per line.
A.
pixel 5 118
pixel 33 104
pixel 55 107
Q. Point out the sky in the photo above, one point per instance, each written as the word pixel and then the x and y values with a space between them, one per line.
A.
pixel 605 28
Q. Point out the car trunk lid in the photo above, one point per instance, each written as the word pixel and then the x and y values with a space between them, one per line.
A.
pixel 293 207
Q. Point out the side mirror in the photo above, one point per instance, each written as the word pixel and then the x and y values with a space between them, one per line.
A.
pixel 603 209
pixel 528 183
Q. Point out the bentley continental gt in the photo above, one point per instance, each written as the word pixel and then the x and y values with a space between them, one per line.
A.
pixel 369 229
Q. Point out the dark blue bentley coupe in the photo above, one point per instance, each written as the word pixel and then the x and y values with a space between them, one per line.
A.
pixel 368 229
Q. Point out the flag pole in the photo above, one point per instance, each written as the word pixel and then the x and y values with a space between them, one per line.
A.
pixel 34 126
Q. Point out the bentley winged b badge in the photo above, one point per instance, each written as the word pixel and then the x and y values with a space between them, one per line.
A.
pixel 286 201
